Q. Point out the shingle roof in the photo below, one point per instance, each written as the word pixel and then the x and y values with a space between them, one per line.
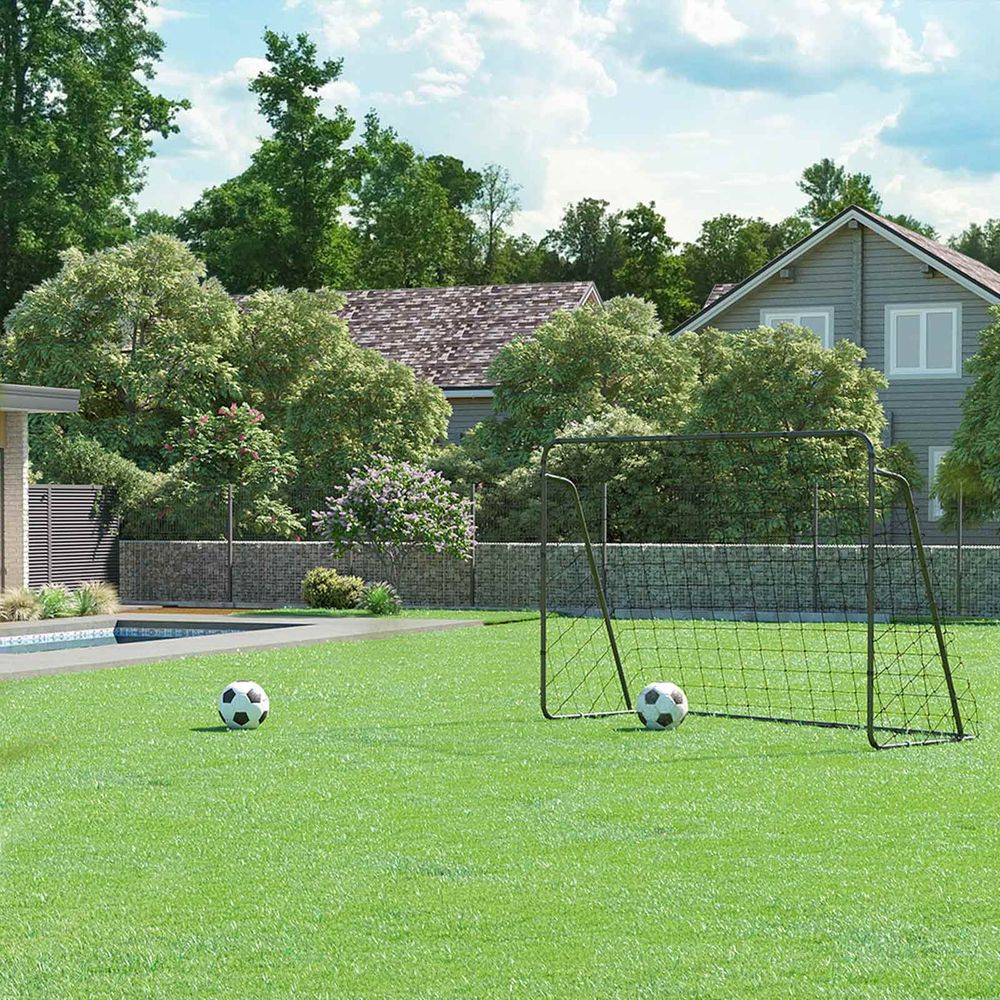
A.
pixel 973 269
pixel 451 335
pixel 718 291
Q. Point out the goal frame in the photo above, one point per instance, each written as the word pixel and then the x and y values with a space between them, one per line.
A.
pixel 879 737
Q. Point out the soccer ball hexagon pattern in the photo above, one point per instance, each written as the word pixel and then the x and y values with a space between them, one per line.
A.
pixel 661 706
pixel 243 705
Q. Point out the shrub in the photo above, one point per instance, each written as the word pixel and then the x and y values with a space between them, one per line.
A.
pixel 18 604
pixel 55 602
pixel 326 588
pixel 95 598
pixel 397 509
pixel 380 599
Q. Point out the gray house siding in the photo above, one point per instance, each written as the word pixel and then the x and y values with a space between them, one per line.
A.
pixel 824 277
pixel 859 273
pixel 466 413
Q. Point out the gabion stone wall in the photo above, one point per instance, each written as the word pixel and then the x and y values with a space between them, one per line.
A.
pixel 267 574
pixel 505 575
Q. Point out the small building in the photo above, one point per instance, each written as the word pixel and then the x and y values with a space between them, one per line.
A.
pixel 451 335
pixel 917 308
pixel 17 402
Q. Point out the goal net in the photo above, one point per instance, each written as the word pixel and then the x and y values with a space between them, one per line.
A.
pixel 774 576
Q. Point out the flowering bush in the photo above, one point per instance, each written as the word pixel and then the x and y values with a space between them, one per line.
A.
pixel 232 447
pixel 397 508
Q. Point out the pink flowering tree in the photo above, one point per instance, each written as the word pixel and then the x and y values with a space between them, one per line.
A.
pixel 232 446
pixel 397 508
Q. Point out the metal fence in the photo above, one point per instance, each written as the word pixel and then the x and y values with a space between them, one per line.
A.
pixel 504 516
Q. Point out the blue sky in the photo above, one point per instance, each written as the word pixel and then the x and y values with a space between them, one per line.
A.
pixel 704 106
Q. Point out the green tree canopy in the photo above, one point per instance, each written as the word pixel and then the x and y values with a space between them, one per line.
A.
pixel 729 248
pixel 357 402
pixel 76 126
pixel 972 466
pixel 139 330
pixel 579 363
pixel 830 189
pixel 406 228
pixel 278 223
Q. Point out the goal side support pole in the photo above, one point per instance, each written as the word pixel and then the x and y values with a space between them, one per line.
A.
pixel 925 575
pixel 595 574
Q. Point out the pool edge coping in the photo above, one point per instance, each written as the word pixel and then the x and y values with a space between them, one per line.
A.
pixel 271 632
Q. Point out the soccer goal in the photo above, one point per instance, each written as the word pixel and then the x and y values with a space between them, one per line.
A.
pixel 774 576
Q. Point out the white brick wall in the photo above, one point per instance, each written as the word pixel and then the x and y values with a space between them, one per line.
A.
pixel 15 499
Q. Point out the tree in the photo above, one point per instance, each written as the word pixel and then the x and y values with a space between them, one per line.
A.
pixel 139 331
pixel 355 403
pixel 981 242
pixel 729 248
pixel 76 127
pixel 590 244
pixel 404 224
pixel 580 363
pixel 650 269
pixel 830 189
pixel 396 509
pixel 972 465
pixel 231 447
pixel 278 223
pixel 463 185
pixel 494 206
pixel 153 221
pixel 284 338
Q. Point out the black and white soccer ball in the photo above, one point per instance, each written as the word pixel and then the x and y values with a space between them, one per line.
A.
pixel 243 705
pixel 662 706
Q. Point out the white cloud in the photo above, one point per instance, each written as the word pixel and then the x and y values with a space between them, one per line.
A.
pixel 157 15
pixel 799 46
pixel 711 22
pixel 445 36
pixel 343 22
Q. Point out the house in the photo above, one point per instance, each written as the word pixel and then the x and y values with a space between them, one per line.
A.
pixel 451 335
pixel 17 402
pixel 915 306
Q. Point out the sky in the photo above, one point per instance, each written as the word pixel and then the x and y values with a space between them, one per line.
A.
pixel 703 106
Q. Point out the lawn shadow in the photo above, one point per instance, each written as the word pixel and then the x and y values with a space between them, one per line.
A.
pixel 210 729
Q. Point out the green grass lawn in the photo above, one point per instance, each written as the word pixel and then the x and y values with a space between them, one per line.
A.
pixel 406 825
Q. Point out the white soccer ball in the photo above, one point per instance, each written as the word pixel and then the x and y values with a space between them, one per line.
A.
pixel 243 705
pixel 662 706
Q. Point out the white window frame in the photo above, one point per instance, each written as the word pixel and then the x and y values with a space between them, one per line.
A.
pixel 794 316
pixel 934 455
pixel 893 311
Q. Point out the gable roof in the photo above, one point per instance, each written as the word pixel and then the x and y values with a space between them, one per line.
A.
pixel 451 335
pixel 971 274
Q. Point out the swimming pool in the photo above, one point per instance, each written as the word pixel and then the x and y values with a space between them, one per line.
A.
pixel 114 635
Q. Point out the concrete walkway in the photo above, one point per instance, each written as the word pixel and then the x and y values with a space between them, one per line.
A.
pixel 250 634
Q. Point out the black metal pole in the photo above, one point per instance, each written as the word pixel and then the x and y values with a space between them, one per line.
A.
pixel 815 553
pixel 604 537
pixel 475 542
pixel 958 554
pixel 229 543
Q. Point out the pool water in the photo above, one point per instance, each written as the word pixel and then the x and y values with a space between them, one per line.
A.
pixel 119 635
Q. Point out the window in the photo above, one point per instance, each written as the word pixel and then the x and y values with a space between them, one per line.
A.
pixel 923 340
pixel 819 319
pixel 934 456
